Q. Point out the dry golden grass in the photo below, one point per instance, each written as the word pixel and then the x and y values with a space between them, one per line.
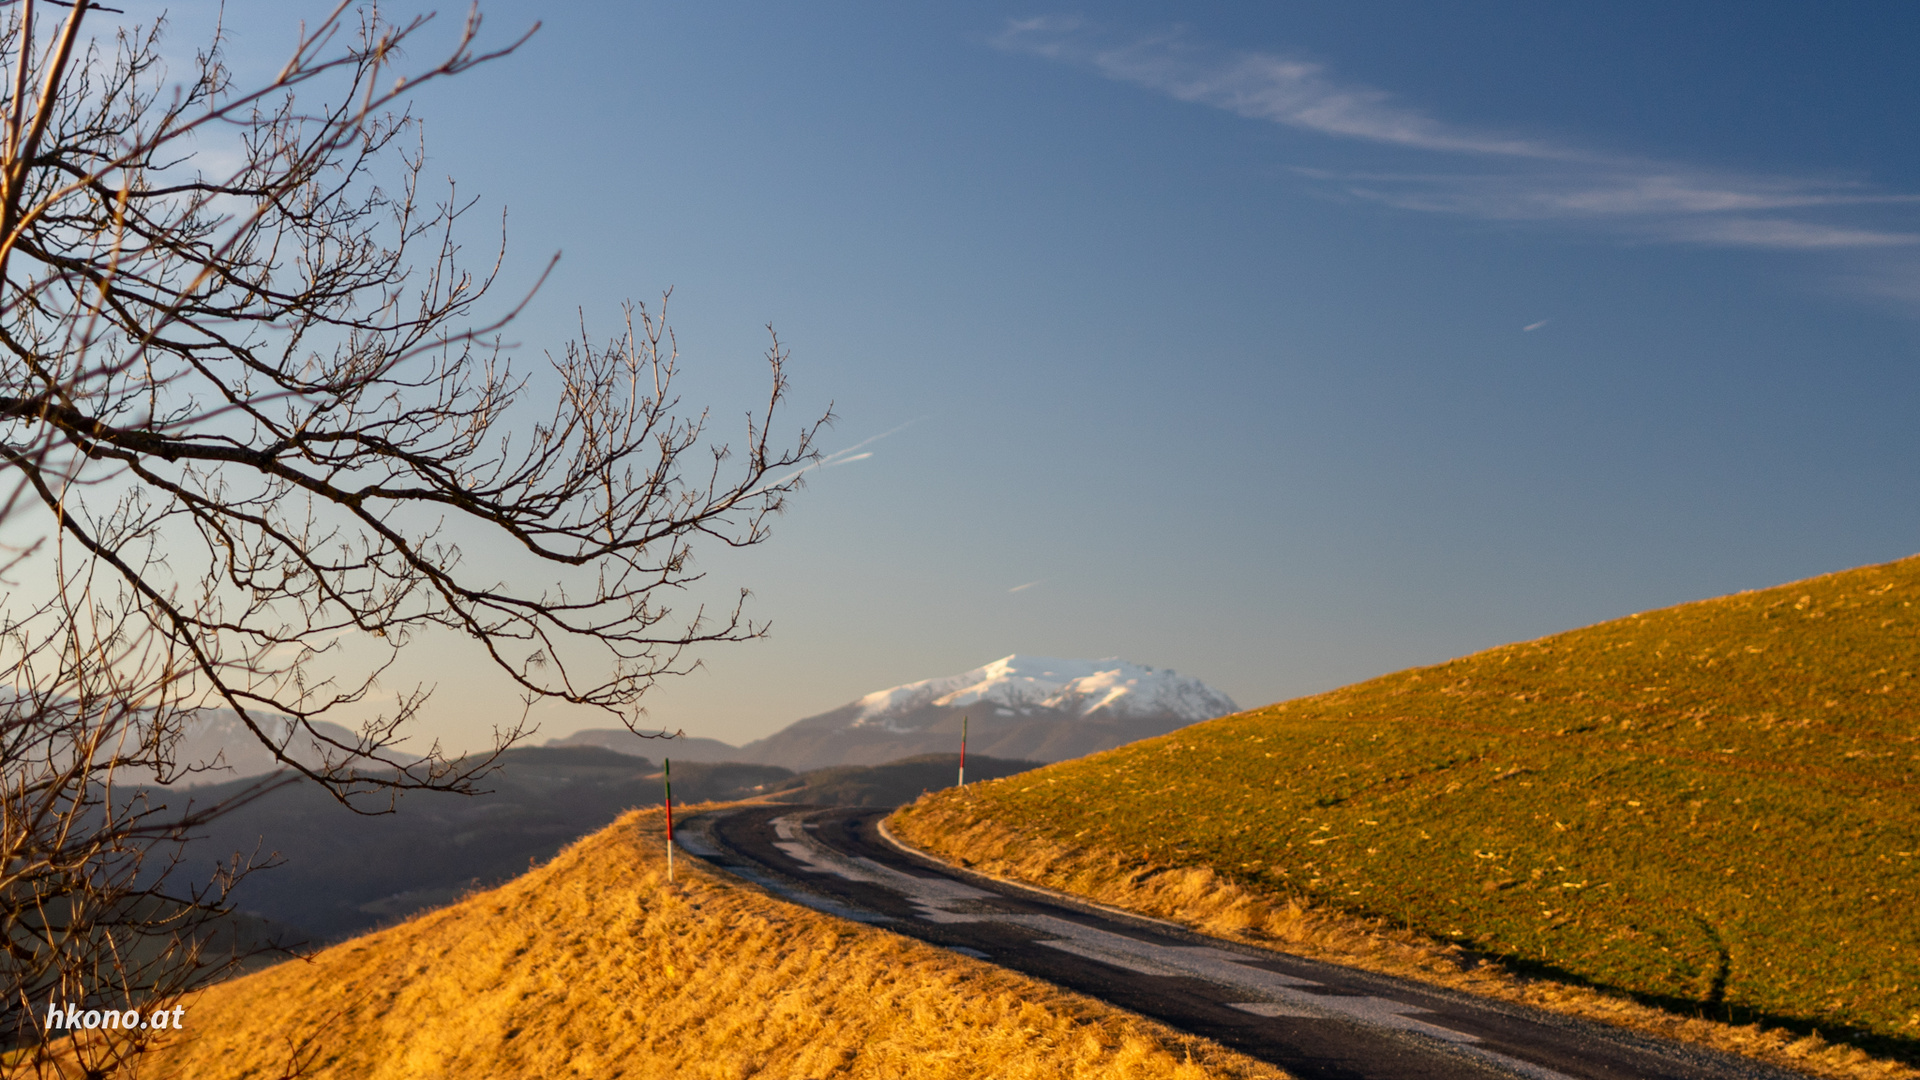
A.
pixel 1201 899
pixel 593 965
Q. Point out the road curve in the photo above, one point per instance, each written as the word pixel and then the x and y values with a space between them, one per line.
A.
pixel 1318 1021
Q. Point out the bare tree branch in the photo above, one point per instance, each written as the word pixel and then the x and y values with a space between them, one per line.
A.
pixel 252 412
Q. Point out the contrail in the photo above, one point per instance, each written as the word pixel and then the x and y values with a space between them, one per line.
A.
pixel 875 439
pixel 842 457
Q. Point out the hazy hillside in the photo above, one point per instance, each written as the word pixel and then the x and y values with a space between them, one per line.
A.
pixel 891 784
pixel 681 748
pixel 592 965
pixel 1041 735
pixel 341 873
pixel 1714 807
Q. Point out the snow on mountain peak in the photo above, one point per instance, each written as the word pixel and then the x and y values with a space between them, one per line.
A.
pixel 1020 684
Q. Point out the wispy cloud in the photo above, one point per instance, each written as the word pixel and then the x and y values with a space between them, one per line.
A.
pixel 1258 86
pixel 1028 585
pixel 1800 235
pixel 1531 327
pixel 1516 177
pixel 1889 279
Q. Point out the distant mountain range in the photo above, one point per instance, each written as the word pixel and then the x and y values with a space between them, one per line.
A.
pixel 346 873
pixel 1029 707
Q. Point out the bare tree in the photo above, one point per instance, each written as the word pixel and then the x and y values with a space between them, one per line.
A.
pixel 252 414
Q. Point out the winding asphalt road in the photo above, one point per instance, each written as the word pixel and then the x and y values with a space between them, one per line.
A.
pixel 1318 1021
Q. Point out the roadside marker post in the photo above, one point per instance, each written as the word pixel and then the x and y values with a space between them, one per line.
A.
pixel 963 749
pixel 667 772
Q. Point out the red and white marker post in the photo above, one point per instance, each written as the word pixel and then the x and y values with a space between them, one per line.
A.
pixel 667 771
pixel 963 749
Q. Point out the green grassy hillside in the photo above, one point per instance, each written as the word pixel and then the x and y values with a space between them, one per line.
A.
pixel 1713 807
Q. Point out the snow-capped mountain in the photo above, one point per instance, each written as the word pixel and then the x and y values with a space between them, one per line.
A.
pixel 1028 685
pixel 1035 708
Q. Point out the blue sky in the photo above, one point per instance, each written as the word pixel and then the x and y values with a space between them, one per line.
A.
pixel 1281 344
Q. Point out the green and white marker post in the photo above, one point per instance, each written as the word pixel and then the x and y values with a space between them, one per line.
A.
pixel 667 771
pixel 963 749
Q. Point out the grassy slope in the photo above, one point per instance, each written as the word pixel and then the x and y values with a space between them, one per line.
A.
pixel 1713 807
pixel 592 965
